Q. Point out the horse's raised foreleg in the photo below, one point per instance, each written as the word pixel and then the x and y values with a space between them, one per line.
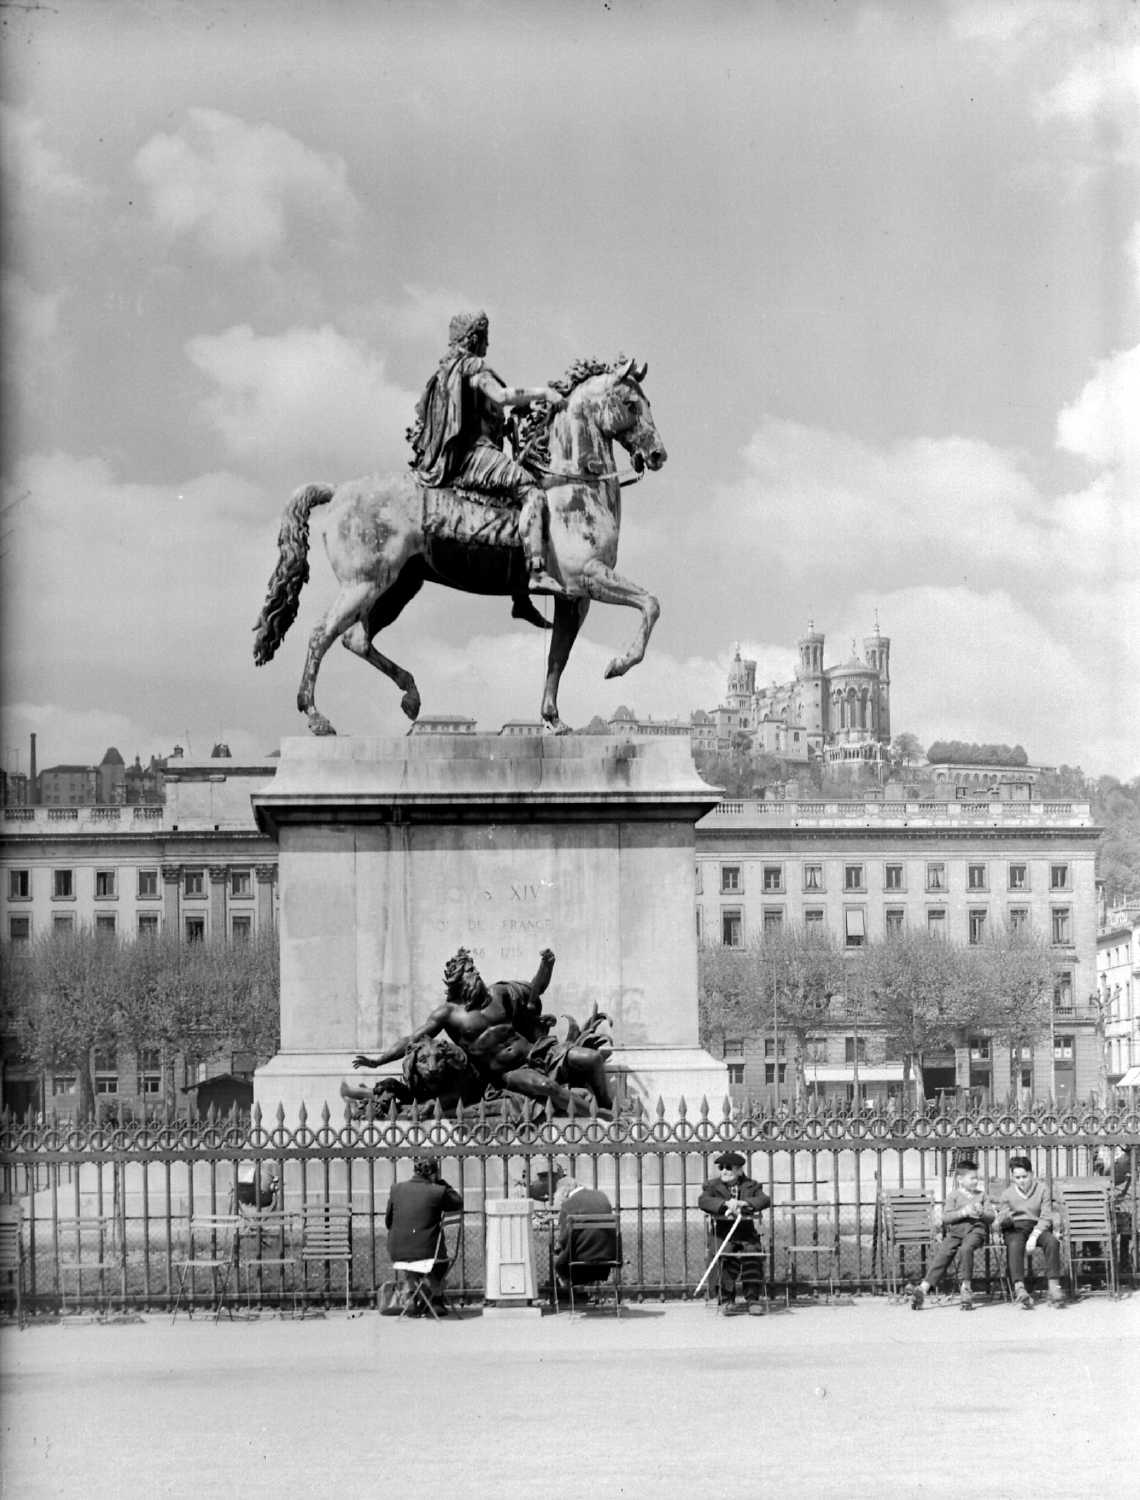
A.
pixel 356 640
pixel 568 617
pixel 608 587
pixel 353 602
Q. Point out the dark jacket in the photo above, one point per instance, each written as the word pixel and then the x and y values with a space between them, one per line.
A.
pixel 413 1216
pixel 715 1194
pixel 593 1244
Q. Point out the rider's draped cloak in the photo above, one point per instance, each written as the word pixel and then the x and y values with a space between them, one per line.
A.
pixel 448 422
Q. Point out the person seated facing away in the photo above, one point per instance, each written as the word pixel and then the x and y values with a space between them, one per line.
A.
pixel 1025 1218
pixel 732 1202
pixel 413 1217
pixel 594 1245
pixel 966 1219
pixel 258 1183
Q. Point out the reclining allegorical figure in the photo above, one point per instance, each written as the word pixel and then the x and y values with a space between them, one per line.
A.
pixel 486 1041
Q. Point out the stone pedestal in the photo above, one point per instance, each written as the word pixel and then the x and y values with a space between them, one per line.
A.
pixel 396 852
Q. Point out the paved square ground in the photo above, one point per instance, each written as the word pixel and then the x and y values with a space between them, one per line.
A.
pixel 870 1399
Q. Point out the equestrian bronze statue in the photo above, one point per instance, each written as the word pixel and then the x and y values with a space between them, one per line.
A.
pixel 489 1042
pixel 470 517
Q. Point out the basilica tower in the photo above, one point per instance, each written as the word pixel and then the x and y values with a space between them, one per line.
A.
pixel 811 691
pixel 877 653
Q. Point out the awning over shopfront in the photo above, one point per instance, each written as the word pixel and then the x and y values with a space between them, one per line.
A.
pixel 1130 1080
pixel 845 1073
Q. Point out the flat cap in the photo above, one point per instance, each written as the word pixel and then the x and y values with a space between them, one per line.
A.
pixel 728 1159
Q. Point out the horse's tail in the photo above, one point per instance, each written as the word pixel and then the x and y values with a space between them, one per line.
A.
pixel 291 573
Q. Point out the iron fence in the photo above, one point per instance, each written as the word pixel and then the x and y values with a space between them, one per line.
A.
pixel 118 1198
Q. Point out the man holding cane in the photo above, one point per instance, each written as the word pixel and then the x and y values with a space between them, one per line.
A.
pixel 733 1202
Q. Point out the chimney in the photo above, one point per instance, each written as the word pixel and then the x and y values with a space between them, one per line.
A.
pixel 33 790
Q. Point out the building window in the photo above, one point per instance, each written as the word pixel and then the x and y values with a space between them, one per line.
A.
pixel 730 878
pixel 1063 995
pixel 895 921
pixel 813 922
pixel 105 923
pixel 150 1071
pixel 63 1084
pixel 855 927
pixel 700 880
pixel 19 929
pixel 936 877
pixel 976 877
pixel 773 921
pixel 731 928
pixel 148 883
pixel 1018 918
pixel 195 929
pixel 1063 1049
pixel 1027 1078
pixel 106 1072
pixel 817 1049
pixel 241 929
pixel 148 923
pixel 1019 877
pixel 978 927
pixel 813 877
pixel 62 921
pixel 894 878
pixel 770 1048
pixel 1062 926
pixel 854 1046
pixel 980 1049
pixel 19 885
pixel 734 1057
pixel 852 877
pixel 773 877
pixel 770 1072
pixel 936 922
pixel 194 883
pixel 1058 877
pixel 63 885
pixel 700 925
pixel 104 883
pixel 241 883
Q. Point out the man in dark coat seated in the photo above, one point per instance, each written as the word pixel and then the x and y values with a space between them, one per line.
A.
pixel 734 1199
pixel 596 1246
pixel 413 1217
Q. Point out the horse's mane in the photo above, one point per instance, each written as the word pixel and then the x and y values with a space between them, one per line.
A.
pixel 533 431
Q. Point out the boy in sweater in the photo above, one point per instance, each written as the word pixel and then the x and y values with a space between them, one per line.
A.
pixel 1025 1218
pixel 966 1218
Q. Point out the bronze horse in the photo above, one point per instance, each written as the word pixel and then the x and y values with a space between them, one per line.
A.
pixel 382 551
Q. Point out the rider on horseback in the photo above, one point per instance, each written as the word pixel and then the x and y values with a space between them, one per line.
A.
pixel 458 441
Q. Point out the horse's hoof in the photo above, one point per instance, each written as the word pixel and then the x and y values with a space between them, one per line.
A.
pixel 318 724
pixel 555 726
pixel 410 703
pixel 617 668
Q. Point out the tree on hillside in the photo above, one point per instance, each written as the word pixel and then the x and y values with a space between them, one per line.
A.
pixel 906 749
pixel 1116 808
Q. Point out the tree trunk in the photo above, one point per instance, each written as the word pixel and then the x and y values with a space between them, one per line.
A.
pixel 84 1089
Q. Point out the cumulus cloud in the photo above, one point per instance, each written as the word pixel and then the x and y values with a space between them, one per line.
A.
pixel 306 395
pixel 424 313
pixel 31 166
pixel 234 185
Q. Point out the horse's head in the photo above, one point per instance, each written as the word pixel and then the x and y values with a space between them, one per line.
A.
pixel 622 413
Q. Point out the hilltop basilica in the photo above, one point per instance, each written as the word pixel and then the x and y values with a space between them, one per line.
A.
pixel 837 714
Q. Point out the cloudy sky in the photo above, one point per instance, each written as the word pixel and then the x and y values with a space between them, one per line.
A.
pixel 883 261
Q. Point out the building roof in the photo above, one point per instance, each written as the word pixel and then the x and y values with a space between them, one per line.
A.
pixel 67 770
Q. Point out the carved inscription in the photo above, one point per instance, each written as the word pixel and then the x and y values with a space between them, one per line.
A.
pixel 493 921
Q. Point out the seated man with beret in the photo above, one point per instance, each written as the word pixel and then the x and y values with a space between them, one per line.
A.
pixel 413 1219
pixel 732 1199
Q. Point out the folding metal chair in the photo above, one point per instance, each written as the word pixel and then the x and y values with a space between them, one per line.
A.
pixel 262 1230
pixel 97 1236
pixel 579 1224
pixel 418 1272
pixel 743 1253
pixel 906 1221
pixel 815 1250
pixel 12 1253
pixel 221 1257
pixel 326 1236
pixel 1088 1218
